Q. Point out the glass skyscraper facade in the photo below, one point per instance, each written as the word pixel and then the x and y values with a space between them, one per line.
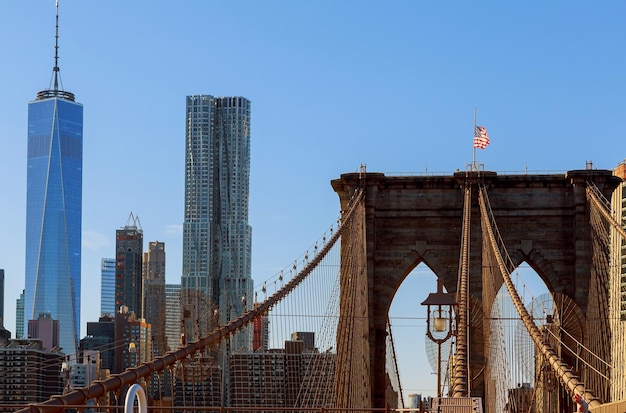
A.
pixel 172 316
pixel 53 212
pixel 19 316
pixel 216 284
pixel 1 297
pixel 107 286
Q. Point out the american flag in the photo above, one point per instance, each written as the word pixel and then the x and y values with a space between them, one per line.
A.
pixel 481 139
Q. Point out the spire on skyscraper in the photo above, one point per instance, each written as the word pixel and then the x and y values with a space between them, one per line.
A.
pixel 56 73
pixel 55 70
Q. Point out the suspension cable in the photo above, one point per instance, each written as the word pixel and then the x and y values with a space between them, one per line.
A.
pixel 460 384
pixel 563 371
pixel 602 204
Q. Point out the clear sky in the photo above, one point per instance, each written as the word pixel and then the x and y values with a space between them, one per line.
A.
pixel 333 84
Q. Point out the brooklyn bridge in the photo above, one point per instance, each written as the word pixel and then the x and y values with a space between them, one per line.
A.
pixel 319 332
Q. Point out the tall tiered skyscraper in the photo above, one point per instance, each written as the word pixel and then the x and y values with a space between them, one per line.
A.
pixel 128 267
pixel 54 208
pixel 216 280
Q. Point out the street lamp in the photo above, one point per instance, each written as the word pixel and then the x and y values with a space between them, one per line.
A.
pixel 439 321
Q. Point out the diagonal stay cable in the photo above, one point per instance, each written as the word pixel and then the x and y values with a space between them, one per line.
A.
pixel 562 370
pixel 572 351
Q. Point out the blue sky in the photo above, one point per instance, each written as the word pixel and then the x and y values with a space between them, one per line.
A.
pixel 333 84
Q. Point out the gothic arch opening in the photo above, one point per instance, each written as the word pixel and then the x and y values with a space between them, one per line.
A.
pixel 408 324
pixel 525 378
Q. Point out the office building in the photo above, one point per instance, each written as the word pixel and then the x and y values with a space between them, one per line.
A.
pixel 133 340
pixel 128 267
pixel 107 286
pixel 307 337
pixel 46 329
pixel 19 316
pixel 294 376
pixel 101 338
pixel 4 333
pixel 172 316
pixel 86 372
pixel 198 383
pixel 414 401
pixel 1 296
pixel 154 312
pixel 154 292
pixel 216 279
pixel 54 209
pixel 30 374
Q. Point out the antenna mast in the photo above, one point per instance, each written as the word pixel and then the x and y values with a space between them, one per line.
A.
pixel 56 51
pixel 55 91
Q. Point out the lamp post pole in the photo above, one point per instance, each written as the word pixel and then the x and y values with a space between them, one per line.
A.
pixel 439 370
pixel 442 322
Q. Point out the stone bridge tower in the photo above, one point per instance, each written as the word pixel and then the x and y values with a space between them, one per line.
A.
pixel 543 220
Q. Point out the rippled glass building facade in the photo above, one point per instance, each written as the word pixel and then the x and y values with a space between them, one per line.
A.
pixel 216 234
pixel 53 213
pixel 216 284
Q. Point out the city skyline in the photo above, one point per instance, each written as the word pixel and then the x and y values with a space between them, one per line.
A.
pixel 333 85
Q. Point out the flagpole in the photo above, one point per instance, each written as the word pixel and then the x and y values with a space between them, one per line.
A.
pixel 474 146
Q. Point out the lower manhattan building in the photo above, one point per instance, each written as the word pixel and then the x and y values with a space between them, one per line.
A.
pixel 30 373
pixel 19 316
pixel 297 375
pixel 1 296
pixel 53 212
pixel 154 294
pixel 46 329
pixel 216 283
pixel 128 267
pixel 198 383
pixel 54 188
pixel 133 340
pixel 107 286
pixel 414 401
pixel 101 338
pixel 172 316
pixel 154 312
